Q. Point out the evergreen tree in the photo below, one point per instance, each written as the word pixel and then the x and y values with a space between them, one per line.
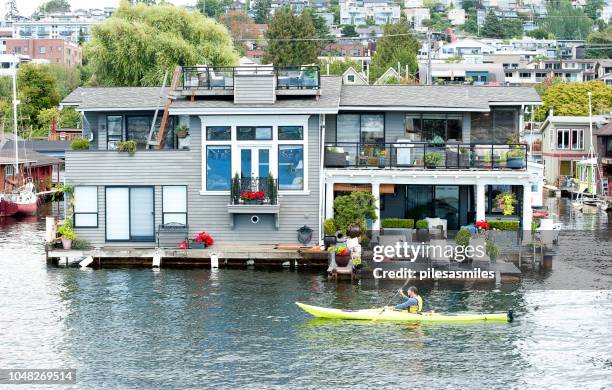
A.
pixel 213 8
pixel 348 30
pixel 397 45
pixel 593 8
pixel 492 27
pixel 565 21
pixel 471 23
pixel 55 6
pixel 320 26
pixel 512 28
pixel 262 11
pixel 603 40
pixel 292 39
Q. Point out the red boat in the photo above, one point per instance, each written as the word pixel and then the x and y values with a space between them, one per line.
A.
pixel 7 207
pixel 26 200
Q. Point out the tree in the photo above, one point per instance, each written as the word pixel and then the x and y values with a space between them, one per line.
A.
pixel 397 45
pixel 139 43
pixel 492 27
pixel 512 28
pixel 213 8
pixel 338 67
pixel 262 11
pixel 241 26
pixel 37 91
pixel 55 6
pixel 572 99
pixel 11 10
pixel 292 39
pixel 565 21
pixel 471 22
pixel 354 209
pixel 348 30
pixel 469 5
pixel 67 118
pixel 68 78
pixel 538 33
pixel 593 8
pixel 599 44
pixel 320 26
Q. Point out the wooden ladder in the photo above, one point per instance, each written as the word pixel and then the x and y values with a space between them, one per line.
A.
pixel 176 76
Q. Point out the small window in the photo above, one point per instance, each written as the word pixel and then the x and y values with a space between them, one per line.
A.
pixel 218 168
pixel 218 133
pixel 114 130
pixel 174 204
pixel 251 133
pixel 291 167
pixel 577 139
pixel 290 133
pixel 563 138
pixel 42 50
pixel 86 206
pixel 9 170
pixel 525 75
pixel 509 74
pixel 351 78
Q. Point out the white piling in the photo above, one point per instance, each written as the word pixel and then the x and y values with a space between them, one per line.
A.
pixel 156 259
pixel 214 260
pixel 50 227
pixel 84 263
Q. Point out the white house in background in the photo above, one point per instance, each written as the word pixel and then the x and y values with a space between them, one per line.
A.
pixel 456 16
pixel 357 12
pixel 352 77
pixel 416 16
pixel 413 3
pixel 477 74
pixel 390 75
pixel 469 49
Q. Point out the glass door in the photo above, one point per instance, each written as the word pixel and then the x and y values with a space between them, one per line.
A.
pixel 130 214
pixel 254 162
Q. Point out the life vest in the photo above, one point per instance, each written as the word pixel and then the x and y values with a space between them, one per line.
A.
pixel 419 307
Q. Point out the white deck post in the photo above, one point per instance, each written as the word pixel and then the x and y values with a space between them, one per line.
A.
pixel 527 211
pixel 376 194
pixel 480 202
pixel 329 200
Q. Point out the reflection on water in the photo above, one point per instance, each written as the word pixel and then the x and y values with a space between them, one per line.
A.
pixel 136 328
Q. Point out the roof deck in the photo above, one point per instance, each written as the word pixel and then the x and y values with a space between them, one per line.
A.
pixel 228 80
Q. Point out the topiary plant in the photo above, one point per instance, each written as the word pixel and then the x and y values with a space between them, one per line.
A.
pixel 422 224
pixel 354 209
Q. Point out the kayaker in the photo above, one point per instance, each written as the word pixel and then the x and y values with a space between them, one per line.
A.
pixel 413 302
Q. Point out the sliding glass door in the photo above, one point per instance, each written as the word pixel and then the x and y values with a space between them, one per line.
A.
pixel 130 214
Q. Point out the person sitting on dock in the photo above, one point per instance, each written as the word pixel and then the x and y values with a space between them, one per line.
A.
pixel 413 302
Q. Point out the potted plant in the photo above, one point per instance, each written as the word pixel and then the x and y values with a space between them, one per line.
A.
pixel 488 160
pixel 342 254
pixel 201 241
pixel 437 141
pixel 464 157
pixel 67 235
pixel 181 131
pixel 382 155
pixel 422 233
pixel 505 202
pixel 329 229
pixel 515 158
pixel 250 197
pixel 433 159
pixel 127 146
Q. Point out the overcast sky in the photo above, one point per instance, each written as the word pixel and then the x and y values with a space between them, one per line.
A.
pixel 26 7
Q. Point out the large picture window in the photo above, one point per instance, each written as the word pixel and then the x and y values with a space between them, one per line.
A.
pixel 290 133
pixel 291 167
pixel 425 127
pixel 218 133
pixel 218 168
pixel 363 128
pixel 85 206
pixel 174 204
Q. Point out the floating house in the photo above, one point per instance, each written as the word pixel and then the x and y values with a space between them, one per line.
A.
pixel 251 154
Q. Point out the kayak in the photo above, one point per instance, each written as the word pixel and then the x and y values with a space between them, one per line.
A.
pixel 390 314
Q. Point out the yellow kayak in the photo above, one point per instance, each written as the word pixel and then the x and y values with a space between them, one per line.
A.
pixel 390 314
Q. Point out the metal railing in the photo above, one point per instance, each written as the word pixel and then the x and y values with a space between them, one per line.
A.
pixel 223 77
pixel 263 189
pixel 425 155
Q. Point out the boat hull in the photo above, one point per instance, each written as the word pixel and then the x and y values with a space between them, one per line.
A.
pixel 7 208
pixel 27 208
pixel 389 314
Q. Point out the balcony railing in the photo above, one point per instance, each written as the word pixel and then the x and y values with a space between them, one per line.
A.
pixel 264 190
pixel 426 155
pixel 222 77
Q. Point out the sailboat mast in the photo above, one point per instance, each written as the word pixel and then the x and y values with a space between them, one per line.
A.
pixel 15 103
pixel 591 149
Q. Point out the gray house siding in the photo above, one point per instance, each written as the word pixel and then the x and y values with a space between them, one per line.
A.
pixel 205 212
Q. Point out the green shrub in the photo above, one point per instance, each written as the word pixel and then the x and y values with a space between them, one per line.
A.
pixel 81 244
pixel 433 159
pixel 354 209
pixel 329 227
pixel 127 146
pixel 398 223
pixel 422 224
pixel 66 230
pixel 79 144
pixel 504 225
pixel 463 237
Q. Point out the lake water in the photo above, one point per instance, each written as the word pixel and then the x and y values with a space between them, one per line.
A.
pixel 139 328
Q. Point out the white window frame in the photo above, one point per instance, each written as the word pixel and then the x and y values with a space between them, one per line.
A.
pixel 166 202
pixel 87 211
pixel 564 146
pixel 274 121
pixel 580 143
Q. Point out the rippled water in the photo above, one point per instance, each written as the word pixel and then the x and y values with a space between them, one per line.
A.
pixel 137 328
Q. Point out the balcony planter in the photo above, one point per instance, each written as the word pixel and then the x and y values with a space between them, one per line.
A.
pixel 334 158
pixel 515 162
pixel 197 245
pixel 433 159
